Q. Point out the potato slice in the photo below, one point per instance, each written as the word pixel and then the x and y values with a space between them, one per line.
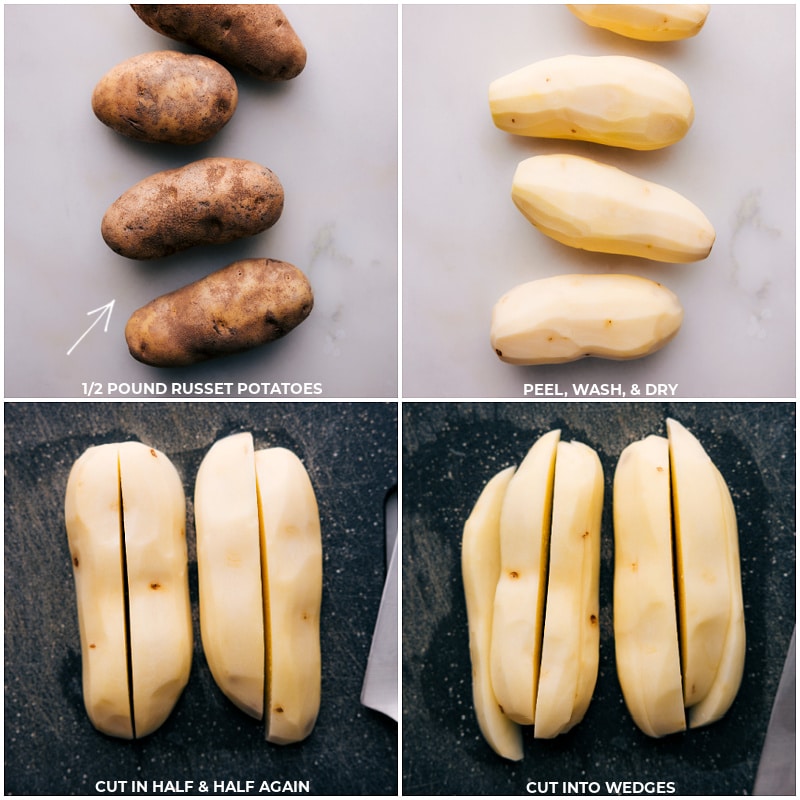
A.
pixel 704 579
pixel 291 548
pixel 571 640
pixel 645 617
pixel 520 595
pixel 229 571
pixel 125 515
pixel 480 570
pixel 92 511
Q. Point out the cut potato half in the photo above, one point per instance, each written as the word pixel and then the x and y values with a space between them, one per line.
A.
pixel 259 558
pixel 125 515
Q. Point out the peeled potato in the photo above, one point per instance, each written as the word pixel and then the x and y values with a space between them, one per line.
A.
pixel 125 518
pixel 259 562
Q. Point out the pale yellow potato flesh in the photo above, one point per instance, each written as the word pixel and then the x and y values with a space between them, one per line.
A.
pixel 568 317
pixel 613 100
pixel 229 571
pixel 649 23
pixel 160 617
pixel 92 514
pixel 571 639
pixel 480 570
pixel 291 547
pixel 703 563
pixel 520 595
pixel 645 616
pixel 125 513
pixel 592 206
pixel 729 675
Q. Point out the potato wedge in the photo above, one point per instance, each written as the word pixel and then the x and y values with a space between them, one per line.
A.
pixel 571 637
pixel 645 616
pixel 708 580
pixel 480 570
pixel 519 601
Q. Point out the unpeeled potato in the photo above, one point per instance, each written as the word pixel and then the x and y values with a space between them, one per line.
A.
pixel 166 96
pixel 255 38
pixel 210 201
pixel 247 303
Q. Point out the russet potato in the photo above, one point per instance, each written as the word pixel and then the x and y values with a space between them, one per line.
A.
pixel 210 201
pixel 255 38
pixel 248 303
pixel 166 96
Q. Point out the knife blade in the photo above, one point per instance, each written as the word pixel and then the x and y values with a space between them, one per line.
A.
pixel 776 770
pixel 379 689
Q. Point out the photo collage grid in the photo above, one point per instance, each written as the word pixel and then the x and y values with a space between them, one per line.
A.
pixel 399 399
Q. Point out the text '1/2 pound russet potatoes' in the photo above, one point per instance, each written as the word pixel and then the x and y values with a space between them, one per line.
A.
pixel 125 516
pixel 246 304
pixel 530 566
pixel 255 38
pixel 166 96
pixel 212 201
pixel 259 563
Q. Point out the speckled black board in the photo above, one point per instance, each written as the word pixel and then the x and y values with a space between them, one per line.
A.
pixel 350 451
pixel 449 452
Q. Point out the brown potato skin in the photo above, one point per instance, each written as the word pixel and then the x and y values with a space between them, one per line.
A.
pixel 246 304
pixel 166 97
pixel 256 39
pixel 211 201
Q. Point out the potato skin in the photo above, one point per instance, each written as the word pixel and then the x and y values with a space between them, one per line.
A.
pixel 256 39
pixel 166 96
pixel 211 201
pixel 246 304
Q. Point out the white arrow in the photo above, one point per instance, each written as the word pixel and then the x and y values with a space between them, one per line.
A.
pixel 109 307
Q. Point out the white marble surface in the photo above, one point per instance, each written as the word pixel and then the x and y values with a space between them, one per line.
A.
pixel 331 137
pixel 465 244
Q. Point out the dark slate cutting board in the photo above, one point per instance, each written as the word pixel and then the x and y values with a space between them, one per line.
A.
pixel 350 451
pixel 449 452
